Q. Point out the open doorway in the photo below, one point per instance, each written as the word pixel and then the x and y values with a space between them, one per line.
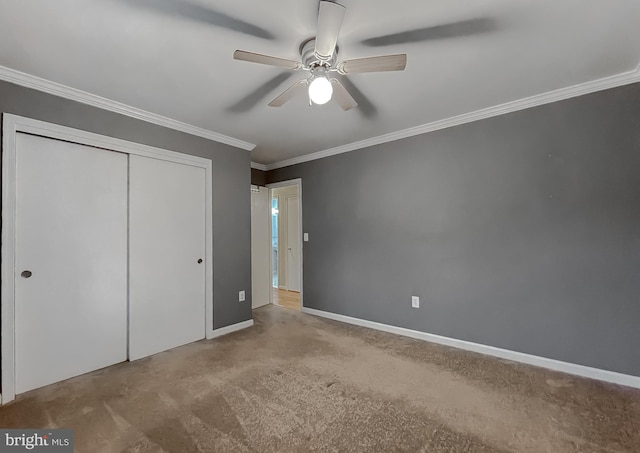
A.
pixel 274 242
pixel 286 244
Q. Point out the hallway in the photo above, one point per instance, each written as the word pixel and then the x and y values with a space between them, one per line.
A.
pixel 286 299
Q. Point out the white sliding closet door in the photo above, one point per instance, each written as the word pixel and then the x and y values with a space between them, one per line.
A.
pixel 71 255
pixel 166 253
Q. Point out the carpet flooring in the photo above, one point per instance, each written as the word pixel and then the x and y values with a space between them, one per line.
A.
pixel 298 383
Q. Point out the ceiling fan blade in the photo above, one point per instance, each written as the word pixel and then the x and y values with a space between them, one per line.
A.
pixel 266 59
pixel 253 98
pixel 452 30
pixel 374 64
pixel 330 17
pixel 200 13
pixel 295 89
pixel 365 106
pixel 342 96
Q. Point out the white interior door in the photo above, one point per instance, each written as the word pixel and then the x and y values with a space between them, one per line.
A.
pixel 166 253
pixel 71 256
pixel 293 243
pixel 260 247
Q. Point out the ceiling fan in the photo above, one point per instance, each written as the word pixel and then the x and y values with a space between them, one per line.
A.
pixel 323 45
pixel 319 57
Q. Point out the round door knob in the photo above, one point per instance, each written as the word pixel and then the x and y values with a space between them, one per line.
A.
pixel 200 261
pixel 25 274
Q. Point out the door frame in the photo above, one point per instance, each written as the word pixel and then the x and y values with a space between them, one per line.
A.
pixel 256 189
pixel 291 182
pixel 11 126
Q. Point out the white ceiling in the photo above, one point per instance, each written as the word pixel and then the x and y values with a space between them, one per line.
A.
pixel 131 52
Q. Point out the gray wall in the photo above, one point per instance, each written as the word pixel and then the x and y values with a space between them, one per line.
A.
pixel 520 231
pixel 231 180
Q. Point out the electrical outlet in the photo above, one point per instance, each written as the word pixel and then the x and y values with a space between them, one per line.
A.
pixel 415 302
pixel 241 296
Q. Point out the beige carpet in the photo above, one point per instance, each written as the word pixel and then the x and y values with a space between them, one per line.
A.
pixel 299 383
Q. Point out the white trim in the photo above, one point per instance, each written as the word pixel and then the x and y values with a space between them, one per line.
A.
pixel 57 89
pixel 287 183
pixel 605 83
pixel 556 365
pixel 208 256
pixel 13 124
pixel 7 269
pixel 229 329
pixel 291 182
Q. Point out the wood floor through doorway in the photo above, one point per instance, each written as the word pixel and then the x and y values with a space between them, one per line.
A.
pixel 298 383
pixel 286 299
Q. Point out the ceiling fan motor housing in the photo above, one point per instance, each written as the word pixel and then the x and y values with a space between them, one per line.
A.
pixel 311 60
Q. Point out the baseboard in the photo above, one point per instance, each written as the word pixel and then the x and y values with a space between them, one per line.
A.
pixel 230 329
pixel 551 364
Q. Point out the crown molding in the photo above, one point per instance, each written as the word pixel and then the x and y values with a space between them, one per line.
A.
pixel 57 89
pixel 561 94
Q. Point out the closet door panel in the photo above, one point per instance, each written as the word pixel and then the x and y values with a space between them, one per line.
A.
pixel 166 255
pixel 71 260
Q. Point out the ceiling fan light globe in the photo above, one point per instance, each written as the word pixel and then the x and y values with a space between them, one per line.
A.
pixel 320 90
